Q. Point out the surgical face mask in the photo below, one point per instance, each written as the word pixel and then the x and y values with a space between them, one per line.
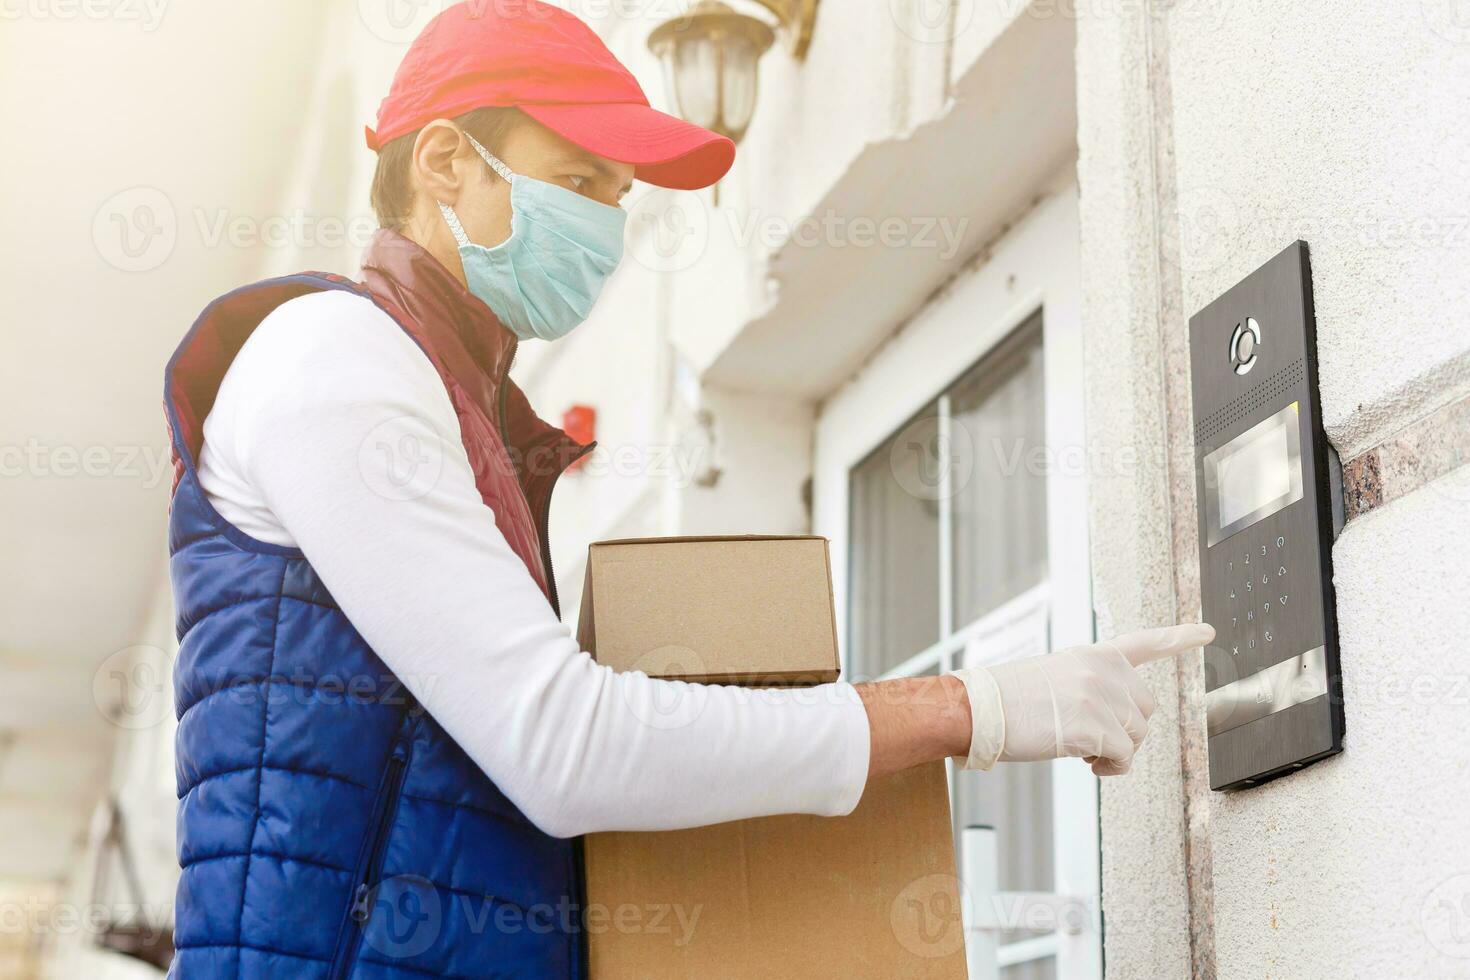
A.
pixel 544 278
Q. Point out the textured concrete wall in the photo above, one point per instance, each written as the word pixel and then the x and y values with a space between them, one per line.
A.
pixel 1358 866
pixel 1211 136
pixel 1129 290
pixel 1344 124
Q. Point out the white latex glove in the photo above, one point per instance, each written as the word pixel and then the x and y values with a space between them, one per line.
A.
pixel 1086 701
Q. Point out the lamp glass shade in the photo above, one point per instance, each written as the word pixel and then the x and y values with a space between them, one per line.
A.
pixel 694 67
pixel 711 61
pixel 738 85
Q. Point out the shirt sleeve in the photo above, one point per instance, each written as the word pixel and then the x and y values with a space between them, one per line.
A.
pixel 339 427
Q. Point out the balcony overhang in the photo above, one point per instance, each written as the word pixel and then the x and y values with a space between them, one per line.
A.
pixel 945 191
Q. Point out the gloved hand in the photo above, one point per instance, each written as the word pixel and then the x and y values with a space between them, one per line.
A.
pixel 1086 701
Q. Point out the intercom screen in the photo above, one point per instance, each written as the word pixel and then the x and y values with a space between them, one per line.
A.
pixel 1254 475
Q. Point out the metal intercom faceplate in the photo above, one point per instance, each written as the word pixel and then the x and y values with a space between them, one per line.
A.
pixel 1269 508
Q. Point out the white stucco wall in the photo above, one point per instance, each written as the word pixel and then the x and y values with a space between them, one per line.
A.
pixel 1207 144
pixel 1340 870
pixel 1344 124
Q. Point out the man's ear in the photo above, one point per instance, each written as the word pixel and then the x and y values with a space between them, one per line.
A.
pixel 439 161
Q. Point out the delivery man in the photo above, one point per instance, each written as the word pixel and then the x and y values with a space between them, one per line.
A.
pixel 380 712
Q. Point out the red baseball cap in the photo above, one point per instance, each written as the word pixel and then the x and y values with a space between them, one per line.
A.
pixel 550 65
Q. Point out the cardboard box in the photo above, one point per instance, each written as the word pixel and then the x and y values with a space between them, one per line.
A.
pixel 752 610
pixel 870 895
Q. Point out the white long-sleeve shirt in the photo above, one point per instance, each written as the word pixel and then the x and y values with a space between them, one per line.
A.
pixel 302 449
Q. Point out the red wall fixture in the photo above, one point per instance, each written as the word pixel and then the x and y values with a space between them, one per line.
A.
pixel 580 422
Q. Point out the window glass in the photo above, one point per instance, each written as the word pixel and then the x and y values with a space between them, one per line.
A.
pixel 893 597
pixel 999 508
pixel 1017 801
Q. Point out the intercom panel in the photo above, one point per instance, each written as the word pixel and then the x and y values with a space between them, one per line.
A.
pixel 1269 493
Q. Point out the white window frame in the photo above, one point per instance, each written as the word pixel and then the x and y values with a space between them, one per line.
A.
pixel 1034 267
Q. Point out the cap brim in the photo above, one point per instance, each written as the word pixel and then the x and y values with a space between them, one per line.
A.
pixel 664 149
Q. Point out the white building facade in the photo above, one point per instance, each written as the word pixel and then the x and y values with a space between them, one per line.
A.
pixel 937 313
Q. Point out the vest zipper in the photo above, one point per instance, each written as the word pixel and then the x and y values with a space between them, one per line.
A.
pixel 382 821
pixel 546 510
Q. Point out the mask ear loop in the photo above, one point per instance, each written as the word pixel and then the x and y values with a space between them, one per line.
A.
pixel 455 228
pixel 450 218
pixel 490 158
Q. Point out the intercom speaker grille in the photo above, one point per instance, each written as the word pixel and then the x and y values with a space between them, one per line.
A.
pixel 1247 404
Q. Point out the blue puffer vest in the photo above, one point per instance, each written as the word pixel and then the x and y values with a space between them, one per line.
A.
pixel 327 826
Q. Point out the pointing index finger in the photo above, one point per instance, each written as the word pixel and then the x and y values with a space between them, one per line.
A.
pixel 1146 646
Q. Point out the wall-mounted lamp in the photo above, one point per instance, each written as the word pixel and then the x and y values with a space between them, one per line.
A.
pixel 710 58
